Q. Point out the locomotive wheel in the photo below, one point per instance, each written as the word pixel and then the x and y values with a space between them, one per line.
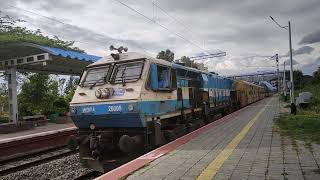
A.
pixel 126 144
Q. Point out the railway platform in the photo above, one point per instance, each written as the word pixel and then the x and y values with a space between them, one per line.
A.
pixel 38 139
pixel 39 129
pixel 242 145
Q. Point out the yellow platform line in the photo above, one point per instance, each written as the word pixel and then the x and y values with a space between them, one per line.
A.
pixel 211 170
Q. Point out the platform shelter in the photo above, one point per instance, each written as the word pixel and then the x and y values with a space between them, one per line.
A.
pixel 29 57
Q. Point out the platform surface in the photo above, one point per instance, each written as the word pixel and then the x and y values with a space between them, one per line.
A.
pixel 247 146
pixel 36 130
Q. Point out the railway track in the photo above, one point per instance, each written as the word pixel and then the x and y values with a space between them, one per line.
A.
pixel 24 162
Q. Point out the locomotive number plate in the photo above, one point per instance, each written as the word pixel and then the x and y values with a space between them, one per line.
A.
pixel 88 109
pixel 114 108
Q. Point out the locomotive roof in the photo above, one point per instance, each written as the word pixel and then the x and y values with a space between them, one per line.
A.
pixel 123 57
pixel 134 55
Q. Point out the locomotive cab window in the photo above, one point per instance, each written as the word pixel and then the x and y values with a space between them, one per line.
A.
pixel 96 75
pixel 162 78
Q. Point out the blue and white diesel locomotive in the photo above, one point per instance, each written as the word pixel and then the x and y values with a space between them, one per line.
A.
pixel 131 102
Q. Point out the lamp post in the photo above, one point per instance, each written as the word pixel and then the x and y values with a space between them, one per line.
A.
pixel 291 64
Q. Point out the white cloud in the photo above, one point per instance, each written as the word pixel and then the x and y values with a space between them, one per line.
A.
pixel 239 28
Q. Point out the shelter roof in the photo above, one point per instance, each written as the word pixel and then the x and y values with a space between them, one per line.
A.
pixel 29 57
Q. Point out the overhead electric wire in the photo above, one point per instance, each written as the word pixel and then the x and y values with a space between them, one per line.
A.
pixel 284 27
pixel 31 12
pixel 164 27
pixel 175 19
pixel 172 17
pixel 53 19
pixel 260 66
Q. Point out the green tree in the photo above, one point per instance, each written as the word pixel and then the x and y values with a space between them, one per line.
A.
pixel 298 79
pixel 316 76
pixel 189 63
pixel 70 88
pixel 186 61
pixel 38 95
pixel 10 32
pixel 4 97
pixel 167 55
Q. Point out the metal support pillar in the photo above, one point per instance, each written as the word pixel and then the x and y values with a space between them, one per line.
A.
pixel 12 87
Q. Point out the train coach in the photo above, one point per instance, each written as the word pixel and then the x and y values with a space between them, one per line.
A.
pixel 131 102
pixel 247 93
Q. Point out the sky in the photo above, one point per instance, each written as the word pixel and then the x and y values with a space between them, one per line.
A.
pixel 242 29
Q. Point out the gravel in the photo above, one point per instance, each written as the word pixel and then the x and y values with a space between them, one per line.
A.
pixel 65 168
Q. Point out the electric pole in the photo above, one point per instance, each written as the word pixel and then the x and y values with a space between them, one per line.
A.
pixel 291 67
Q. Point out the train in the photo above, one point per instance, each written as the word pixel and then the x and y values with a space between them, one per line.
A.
pixel 131 103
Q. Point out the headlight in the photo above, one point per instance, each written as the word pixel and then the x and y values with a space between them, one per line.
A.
pixel 130 107
pixel 73 110
pixel 98 93
pixel 92 126
pixel 104 93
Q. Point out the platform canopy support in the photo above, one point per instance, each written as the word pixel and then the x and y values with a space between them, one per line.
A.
pixel 11 74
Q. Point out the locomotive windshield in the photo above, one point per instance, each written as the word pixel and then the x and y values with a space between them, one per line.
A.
pixel 121 73
pixel 127 72
pixel 97 75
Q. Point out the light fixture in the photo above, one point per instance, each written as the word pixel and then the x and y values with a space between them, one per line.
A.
pixel 98 93
pixel 92 126
pixel 130 107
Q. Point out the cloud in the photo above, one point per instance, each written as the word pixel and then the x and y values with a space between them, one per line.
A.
pixel 317 62
pixel 63 5
pixel 311 38
pixel 301 50
pixel 294 62
pixel 309 68
pixel 242 29
pixel 83 36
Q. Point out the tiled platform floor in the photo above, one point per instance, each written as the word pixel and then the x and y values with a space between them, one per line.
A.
pixel 262 154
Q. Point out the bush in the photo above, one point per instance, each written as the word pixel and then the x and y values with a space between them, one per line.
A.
pixel 4 119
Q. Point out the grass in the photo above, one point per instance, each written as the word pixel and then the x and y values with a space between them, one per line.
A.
pixel 306 124
pixel 4 119
pixel 282 98
pixel 303 126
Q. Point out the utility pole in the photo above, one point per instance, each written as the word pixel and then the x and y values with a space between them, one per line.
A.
pixel 293 106
pixel 291 67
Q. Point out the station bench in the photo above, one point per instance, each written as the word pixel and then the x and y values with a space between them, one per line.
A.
pixel 38 120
